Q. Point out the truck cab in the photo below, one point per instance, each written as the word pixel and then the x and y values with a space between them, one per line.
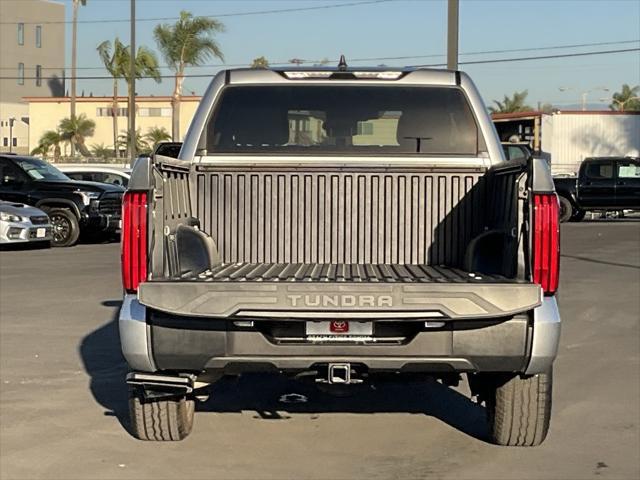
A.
pixel 602 184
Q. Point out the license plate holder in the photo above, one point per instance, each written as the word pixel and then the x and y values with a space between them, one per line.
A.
pixel 339 328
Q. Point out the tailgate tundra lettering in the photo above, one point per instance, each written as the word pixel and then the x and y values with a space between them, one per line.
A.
pixel 340 300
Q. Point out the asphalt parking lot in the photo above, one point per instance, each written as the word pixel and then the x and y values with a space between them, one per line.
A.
pixel 63 399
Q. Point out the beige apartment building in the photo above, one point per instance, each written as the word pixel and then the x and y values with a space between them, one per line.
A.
pixel 32 58
pixel 45 114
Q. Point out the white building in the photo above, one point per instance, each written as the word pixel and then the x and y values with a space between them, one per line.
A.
pixel 32 50
pixel 568 137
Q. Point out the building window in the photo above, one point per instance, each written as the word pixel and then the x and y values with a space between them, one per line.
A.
pixel 154 112
pixel 38 75
pixel 5 142
pixel 21 34
pixel 21 74
pixel 38 36
pixel 108 112
pixel 15 142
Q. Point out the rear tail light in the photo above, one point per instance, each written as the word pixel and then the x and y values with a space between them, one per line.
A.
pixel 546 242
pixel 134 240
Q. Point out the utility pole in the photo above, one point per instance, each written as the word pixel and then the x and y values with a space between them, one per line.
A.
pixel 74 54
pixel 452 34
pixel 132 92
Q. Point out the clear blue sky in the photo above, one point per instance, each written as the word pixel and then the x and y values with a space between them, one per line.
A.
pixel 399 28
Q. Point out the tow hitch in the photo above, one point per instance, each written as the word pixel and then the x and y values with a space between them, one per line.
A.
pixel 339 374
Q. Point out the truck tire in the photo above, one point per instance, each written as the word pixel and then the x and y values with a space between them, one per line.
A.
pixel 519 410
pixel 161 420
pixel 566 209
pixel 65 227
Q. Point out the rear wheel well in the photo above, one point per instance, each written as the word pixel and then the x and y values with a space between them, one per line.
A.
pixel 51 204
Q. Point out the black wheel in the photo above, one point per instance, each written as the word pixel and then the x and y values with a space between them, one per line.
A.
pixel 518 407
pixel 66 228
pixel 161 420
pixel 566 209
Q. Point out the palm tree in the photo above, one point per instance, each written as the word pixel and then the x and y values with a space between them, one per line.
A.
pixel 156 135
pixel 114 63
pixel 101 151
pixel 141 145
pixel 511 104
pixel 74 59
pixel 188 42
pixel 146 65
pixel 41 150
pixel 50 138
pixel 626 100
pixel 260 62
pixel 75 130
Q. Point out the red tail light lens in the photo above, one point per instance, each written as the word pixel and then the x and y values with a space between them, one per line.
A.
pixel 546 242
pixel 134 240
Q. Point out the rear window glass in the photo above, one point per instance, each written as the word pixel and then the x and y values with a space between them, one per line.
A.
pixel 629 170
pixel 600 171
pixel 343 120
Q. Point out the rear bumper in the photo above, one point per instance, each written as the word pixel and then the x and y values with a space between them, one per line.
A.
pixel 524 343
pixel 102 222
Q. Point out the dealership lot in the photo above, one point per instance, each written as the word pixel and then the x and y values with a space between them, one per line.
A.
pixel 63 399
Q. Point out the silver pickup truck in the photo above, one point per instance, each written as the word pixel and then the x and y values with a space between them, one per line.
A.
pixel 341 224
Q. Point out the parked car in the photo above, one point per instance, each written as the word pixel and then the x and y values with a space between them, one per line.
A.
pixel 20 223
pixel 340 225
pixel 73 206
pixel 112 175
pixel 603 184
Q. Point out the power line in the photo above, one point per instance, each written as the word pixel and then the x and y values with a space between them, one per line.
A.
pixel 221 15
pixel 513 50
pixel 541 57
pixel 471 62
pixel 370 59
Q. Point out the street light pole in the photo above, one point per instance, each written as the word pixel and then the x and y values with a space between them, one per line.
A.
pixel 452 34
pixel 132 82
pixel 583 95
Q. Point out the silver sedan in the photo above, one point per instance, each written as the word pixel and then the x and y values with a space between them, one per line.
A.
pixel 21 223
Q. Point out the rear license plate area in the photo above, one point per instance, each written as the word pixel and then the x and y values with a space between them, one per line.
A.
pixel 338 331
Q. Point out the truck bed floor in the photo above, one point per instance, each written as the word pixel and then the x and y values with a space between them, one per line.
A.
pixel 323 272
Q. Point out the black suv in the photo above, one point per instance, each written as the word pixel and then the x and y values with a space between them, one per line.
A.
pixel 73 206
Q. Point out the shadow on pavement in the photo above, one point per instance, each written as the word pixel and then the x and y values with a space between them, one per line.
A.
pixel 102 359
pixel 273 397
pixel 12 247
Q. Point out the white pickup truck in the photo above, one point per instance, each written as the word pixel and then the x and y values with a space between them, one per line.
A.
pixel 338 224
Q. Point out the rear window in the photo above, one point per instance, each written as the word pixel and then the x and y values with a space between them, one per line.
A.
pixel 342 120
pixel 600 171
